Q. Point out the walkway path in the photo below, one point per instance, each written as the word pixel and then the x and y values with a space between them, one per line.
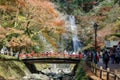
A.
pixel 113 67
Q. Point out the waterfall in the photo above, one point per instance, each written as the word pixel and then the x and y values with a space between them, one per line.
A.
pixel 76 42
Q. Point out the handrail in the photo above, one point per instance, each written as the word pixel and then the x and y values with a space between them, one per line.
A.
pixel 50 55
pixel 102 73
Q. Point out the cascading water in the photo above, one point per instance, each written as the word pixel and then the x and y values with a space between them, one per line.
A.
pixel 76 42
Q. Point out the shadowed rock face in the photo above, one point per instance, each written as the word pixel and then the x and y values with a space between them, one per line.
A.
pixel 2 78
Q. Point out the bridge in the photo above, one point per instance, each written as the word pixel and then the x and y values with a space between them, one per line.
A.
pixel 52 60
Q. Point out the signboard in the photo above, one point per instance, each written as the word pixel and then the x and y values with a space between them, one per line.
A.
pixel 111 43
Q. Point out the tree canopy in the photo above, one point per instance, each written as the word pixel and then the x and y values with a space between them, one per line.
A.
pixel 23 20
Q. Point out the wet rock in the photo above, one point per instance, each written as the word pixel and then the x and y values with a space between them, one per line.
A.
pixel 35 77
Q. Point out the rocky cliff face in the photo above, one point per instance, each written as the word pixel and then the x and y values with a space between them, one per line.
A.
pixel 11 68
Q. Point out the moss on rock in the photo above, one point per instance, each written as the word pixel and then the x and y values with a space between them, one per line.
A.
pixel 12 68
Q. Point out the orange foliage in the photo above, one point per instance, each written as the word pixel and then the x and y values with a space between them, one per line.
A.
pixel 105 9
pixel 21 41
pixel 13 30
pixel 8 8
pixel 58 23
pixel 3 33
pixel 60 31
pixel 42 11
pixel 94 18
pixel 44 5
pixel 104 32
pixel 21 2
pixel 92 3
pixel 98 18
pixel 50 8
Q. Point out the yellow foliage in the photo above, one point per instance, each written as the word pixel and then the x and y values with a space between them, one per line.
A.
pixel 113 38
pixel 60 31
pixel 21 18
pixel 50 40
pixel 117 23
pixel 116 26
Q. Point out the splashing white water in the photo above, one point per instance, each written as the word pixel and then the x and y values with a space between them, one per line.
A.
pixel 76 42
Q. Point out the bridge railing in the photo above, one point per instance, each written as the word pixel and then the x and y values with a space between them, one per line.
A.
pixel 50 55
pixel 102 73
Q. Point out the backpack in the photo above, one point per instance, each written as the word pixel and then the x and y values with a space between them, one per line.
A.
pixel 106 56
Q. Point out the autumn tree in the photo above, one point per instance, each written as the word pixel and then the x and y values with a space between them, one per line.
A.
pixel 32 17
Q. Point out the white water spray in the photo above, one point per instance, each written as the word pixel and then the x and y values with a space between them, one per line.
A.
pixel 76 42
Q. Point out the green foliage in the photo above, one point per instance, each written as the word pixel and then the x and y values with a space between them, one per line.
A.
pixel 28 31
pixel 89 42
pixel 113 14
pixel 70 8
pixel 81 75
pixel 117 1
pixel 12 68
pixel 9 37
pixel 3 1
pixel 68 44
pixel 117 35
pixel 107 3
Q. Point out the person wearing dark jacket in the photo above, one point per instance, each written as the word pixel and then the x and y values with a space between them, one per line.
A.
pixel 106 58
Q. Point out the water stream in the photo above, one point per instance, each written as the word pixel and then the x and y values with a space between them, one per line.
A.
pixel 61 72
pixel 76 42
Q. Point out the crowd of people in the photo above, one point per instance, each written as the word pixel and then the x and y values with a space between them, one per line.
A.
pixel 108 55
pixel 33 54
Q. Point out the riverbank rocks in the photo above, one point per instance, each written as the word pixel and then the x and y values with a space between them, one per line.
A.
pixel 35 77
